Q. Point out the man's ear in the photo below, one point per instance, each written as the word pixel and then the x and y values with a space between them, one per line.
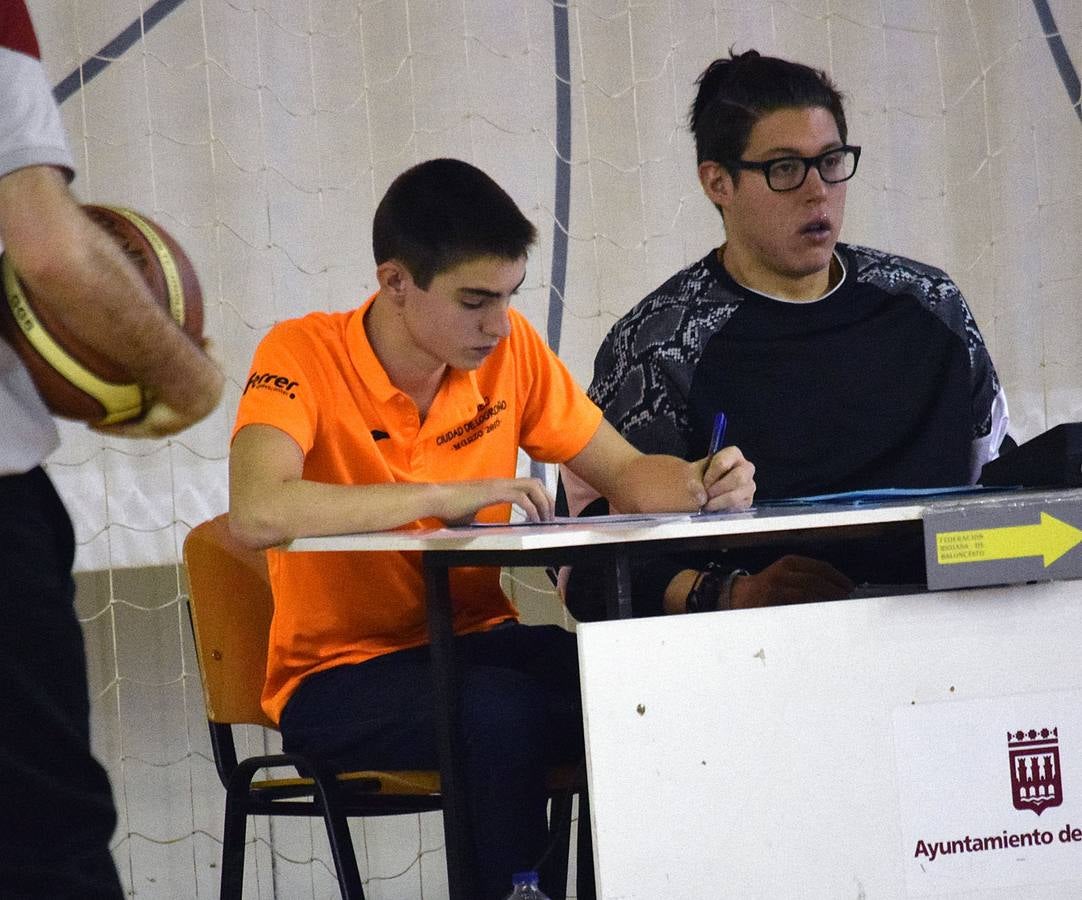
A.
pixel 394 279
pixel 717 183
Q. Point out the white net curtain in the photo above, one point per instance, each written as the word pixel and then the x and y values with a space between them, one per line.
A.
pixel 261 133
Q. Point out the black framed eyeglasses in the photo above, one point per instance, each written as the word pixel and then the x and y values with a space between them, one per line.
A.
pixel 787 173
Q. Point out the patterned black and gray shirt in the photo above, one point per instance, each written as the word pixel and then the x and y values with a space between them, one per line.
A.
pixel 883 382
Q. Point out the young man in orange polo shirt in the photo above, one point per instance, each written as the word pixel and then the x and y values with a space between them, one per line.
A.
pixel 409 412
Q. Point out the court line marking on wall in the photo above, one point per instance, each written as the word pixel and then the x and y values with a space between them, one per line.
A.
pixel 116 48
pixel 1060 55
pixel 562 201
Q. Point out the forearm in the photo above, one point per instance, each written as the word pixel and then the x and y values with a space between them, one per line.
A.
pixel 270 501
pixel 81 278
pixel 656 483
pixel 637 482
pixel 153 350
pixel 676 594
pixel 789 579
pixel 298 508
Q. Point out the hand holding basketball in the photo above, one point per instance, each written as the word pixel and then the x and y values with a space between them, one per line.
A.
pixel 75 381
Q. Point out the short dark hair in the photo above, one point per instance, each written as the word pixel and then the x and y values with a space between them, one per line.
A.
pixel 735 93
pixel 444 212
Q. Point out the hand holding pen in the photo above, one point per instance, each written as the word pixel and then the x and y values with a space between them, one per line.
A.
pixel 727 476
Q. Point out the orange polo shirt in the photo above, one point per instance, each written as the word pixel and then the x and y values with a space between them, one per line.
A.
pixel 317 379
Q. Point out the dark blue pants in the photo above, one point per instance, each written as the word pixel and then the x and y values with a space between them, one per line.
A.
pixel 56 806
pixel 521 713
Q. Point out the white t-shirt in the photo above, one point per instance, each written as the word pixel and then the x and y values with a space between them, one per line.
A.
pixel 31 133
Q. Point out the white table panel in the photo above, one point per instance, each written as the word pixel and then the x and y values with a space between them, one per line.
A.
pixel 803 751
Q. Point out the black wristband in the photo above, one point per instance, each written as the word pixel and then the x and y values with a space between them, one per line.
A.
pixel 703 596
pixel 711 589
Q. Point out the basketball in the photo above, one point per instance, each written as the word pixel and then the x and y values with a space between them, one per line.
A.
pixel 75 381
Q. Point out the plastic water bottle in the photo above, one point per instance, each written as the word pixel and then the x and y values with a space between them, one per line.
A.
pixel 524 887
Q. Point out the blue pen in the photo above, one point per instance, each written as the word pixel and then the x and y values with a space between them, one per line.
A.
pixel 718 437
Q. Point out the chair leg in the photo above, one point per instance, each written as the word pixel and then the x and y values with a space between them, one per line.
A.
pixel 234 831
pixel 345 857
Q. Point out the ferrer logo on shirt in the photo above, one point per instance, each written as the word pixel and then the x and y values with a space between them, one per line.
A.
pixel 486 421
pixel 268 381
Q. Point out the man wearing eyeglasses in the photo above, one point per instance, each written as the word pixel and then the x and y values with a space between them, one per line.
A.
pixel 838 367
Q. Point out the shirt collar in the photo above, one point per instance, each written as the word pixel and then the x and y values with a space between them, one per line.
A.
pixel 714 262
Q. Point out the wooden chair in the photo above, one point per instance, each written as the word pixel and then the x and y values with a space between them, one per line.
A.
pixel 230 604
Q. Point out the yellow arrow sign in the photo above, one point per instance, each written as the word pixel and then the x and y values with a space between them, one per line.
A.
pixel 1050 539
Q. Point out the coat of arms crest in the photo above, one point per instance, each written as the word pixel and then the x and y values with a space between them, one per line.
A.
pixel 1035 775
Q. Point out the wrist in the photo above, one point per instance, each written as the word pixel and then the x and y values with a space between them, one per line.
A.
pixel 725 597
pixel 712 589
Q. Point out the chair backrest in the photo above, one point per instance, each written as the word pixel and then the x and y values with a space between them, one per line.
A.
pixel 231 606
